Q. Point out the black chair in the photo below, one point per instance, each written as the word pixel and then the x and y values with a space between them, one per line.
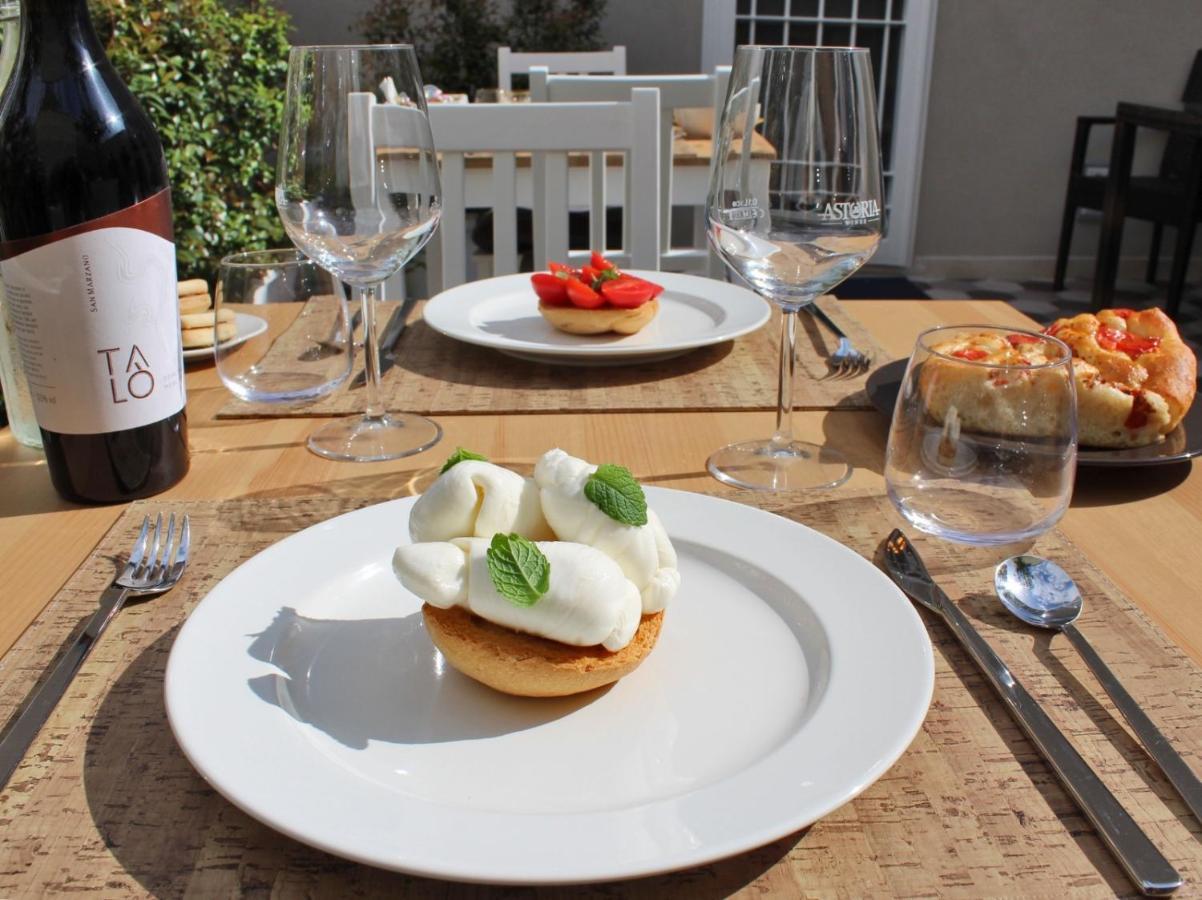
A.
pixel 1160 199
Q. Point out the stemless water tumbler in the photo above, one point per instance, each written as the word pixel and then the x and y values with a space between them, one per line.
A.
pixel 983 445
pixel 312 357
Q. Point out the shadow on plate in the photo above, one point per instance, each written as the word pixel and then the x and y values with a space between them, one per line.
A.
pixel 382 680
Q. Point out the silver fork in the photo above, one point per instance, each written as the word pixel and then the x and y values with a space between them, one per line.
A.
pixel 155 564
pixel 847 359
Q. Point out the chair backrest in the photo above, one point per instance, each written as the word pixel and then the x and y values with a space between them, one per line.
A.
pixel 1178 149
pixel 675 92
pixel 548 132
pixel 603 62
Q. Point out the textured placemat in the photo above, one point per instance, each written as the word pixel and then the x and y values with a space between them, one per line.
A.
pixel 436 374
pixel 106 804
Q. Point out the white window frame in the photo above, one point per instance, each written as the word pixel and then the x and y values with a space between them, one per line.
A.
pixel 909 112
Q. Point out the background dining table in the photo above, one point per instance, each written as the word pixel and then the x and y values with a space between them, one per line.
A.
pixel 1138 526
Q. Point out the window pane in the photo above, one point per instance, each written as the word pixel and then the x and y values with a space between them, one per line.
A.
pixel 802 34
pixel 899 10
pixel 872 9
pixel 836 35
pixel 742 32
pixel 838 9
pixel 890 96
pixel 769 32
pixel 743 8
pixel 803 7
pixel 873 37
pixel 770 8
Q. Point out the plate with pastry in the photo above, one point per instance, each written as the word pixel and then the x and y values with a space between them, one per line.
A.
pixel 201 325
pixel 553 677
pixel 596 315
pixel 1135 383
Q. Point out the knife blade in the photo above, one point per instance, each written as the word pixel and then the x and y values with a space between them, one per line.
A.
pixel 389 337
pixel 1151 873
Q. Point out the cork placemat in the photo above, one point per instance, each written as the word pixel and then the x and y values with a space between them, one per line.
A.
pixel 436 374
pixel 106 804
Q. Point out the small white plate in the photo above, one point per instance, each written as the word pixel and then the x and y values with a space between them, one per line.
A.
pixel 245 327
pixel 502 313
pixel 790 674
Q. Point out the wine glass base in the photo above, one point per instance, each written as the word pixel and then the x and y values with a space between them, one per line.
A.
pixel 375 438
pixel 772 466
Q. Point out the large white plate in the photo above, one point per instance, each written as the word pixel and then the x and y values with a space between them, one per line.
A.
pixel 502 313
pixel 789 675
pixel 246 327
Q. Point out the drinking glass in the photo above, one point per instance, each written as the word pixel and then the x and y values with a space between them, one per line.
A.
pixel 361 214
pixel 979 452
pixel 796 224
pixel 312 358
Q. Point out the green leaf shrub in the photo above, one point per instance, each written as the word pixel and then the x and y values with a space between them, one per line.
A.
pixel 456 40
pixel 212 78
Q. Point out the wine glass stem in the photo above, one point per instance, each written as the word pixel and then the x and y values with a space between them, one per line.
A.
pixel 371 351
pixel 784 405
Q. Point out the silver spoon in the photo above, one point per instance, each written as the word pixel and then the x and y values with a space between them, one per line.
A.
pixel 1042 594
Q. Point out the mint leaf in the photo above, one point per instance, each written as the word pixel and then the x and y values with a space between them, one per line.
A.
pixel 459 456
pixel 518 569
pixel 616 493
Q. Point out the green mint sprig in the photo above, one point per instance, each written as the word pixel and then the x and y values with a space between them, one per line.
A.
pixel 460 455
pixel 518 569
pixel 616 493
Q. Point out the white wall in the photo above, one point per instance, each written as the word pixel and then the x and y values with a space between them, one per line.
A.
pixel 1007 82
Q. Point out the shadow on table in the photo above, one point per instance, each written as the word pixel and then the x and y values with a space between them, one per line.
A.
pixel 1104 486
pixel 168 830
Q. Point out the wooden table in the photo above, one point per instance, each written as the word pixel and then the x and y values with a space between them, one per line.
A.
pixel 1139 526
pixel 1174 118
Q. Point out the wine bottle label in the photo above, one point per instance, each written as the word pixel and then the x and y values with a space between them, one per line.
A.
pixel 96 315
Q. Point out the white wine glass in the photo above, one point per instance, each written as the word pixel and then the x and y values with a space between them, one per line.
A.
pixel 360 214
pixel 795 224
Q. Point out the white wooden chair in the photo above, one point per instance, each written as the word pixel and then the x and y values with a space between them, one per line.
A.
pixel 602 62
pixel 675 92
pixel 549 132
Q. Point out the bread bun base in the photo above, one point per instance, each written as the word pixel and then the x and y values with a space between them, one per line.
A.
pixel 530 666
pixel 575 320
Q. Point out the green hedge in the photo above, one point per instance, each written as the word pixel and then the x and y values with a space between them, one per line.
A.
pixel 212 78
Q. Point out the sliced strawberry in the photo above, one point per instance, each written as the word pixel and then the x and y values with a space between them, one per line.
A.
pixel 589 276
pixel 627 294
pixel 600 262
pixel 583 296
pixel 551 289
pixel 557 268
pixel 656 289
pixel 1134 345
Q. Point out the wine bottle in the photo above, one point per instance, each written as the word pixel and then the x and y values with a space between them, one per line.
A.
pixel 88 261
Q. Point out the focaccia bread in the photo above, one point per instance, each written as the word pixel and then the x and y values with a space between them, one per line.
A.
pixel 1016 389
pixel 1135 376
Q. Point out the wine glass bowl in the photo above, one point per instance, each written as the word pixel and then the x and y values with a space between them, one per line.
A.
pixel 358 191
pixel 796 220
pixel 983 452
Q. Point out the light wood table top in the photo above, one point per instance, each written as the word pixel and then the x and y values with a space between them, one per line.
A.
pixel 1140 526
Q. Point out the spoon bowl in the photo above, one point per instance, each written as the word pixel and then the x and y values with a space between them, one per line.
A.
pixel 1037 591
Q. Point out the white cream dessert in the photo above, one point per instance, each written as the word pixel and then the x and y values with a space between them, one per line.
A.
pixel 643 551
pixel 538 587
pixel 475 498
pixel 589 600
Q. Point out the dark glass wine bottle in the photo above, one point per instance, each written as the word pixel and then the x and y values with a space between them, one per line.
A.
pixel 88 262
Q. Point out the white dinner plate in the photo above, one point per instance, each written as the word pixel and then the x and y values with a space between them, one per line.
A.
pixel 502 313
pixel 245 327
pixel 789 675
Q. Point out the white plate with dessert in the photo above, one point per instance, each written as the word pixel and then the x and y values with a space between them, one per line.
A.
pixel 506 314
pixel 768 675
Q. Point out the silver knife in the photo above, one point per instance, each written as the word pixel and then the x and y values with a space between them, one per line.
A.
pixel 393 329
pixel 1151 873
